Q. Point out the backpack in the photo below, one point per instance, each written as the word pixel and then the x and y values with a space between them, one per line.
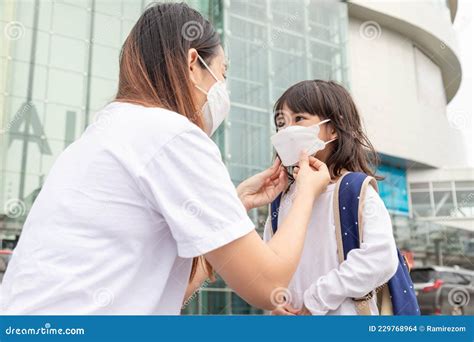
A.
pixel 397 296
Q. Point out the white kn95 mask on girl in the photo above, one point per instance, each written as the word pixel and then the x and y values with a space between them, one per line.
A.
pixel 290 141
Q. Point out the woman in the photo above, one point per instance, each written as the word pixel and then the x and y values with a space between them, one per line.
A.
pixel 142 192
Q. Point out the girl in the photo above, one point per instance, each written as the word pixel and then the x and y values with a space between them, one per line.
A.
pixel 322 286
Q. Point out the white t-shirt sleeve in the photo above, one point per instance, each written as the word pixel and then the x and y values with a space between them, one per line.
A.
pixel 364 269
pixel 188 184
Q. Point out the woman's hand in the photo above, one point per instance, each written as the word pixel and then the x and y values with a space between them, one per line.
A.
pixel 263 187
pixel 286 310
pixel 311 174
pixel 304 311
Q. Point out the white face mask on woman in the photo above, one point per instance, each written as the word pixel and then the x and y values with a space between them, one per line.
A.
pixel 290 141
pixel 217 106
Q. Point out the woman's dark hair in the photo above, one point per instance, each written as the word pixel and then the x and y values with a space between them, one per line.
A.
pixel 154 64
pixel 352 151
pixel 154 58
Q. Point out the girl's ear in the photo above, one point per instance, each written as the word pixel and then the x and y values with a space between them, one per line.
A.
pixel 332 131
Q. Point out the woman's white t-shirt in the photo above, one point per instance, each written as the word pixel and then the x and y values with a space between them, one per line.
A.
pixel 122 213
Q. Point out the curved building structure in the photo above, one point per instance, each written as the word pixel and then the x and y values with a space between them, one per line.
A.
pixel 404 69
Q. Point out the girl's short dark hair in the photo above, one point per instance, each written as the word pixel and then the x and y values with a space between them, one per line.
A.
pixel 352 151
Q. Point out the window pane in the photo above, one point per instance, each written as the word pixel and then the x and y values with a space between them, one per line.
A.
pixel 72 56
pixel 241 307
pixel 71 21
pixel 214 302
pixel 464 185
pixel 191 305
pixel 73 94
pixel 421 204
pixel 465 206
pixel 419 186
pixel 442 186
pixel 444 204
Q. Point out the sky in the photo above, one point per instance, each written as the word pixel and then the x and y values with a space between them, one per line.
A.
pixel 460 108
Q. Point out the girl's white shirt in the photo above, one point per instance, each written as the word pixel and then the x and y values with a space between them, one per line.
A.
pixel 320 282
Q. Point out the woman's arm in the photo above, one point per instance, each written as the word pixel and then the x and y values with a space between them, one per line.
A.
pixel 255 191
pixel 365 268
pixel 186 183
pixel 255 269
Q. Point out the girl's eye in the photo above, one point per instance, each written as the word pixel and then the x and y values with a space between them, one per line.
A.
pixel 299 118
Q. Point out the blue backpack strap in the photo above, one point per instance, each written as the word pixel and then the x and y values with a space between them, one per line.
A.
pixel 348 209
pixel 347 213
pixel 402 292
pixel 274 210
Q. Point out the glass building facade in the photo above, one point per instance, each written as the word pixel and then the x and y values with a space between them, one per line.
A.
pixel 59 65
pixel 439 209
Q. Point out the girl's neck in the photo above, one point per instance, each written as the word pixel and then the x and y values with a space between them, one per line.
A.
pixel 342 173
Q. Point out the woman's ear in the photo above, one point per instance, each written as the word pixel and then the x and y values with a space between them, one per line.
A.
pixel 193 66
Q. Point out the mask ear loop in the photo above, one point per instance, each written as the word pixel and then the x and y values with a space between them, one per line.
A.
pixel 289 174
pixel 323 122
pixel 208 69
pixel 329 141
pixel 202 90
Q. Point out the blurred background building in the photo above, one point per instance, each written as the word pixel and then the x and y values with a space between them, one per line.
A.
pixel 59 65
